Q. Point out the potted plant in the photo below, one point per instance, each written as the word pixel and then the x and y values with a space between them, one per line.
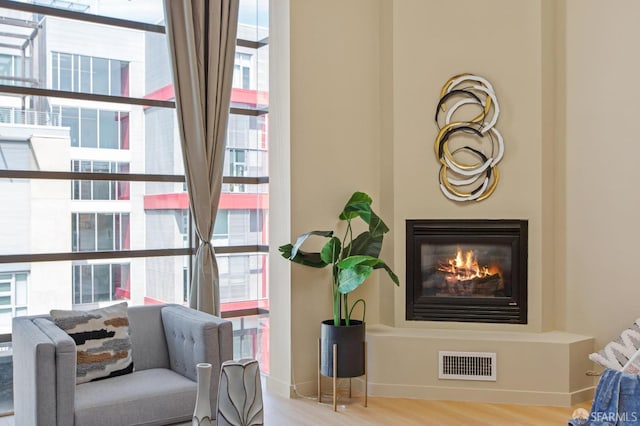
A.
pixel 351 261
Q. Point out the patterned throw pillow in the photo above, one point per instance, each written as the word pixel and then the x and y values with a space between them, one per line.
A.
pixel 616 354
pixel 102 341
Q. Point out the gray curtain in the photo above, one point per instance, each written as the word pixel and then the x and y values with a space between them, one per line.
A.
pixel 202 39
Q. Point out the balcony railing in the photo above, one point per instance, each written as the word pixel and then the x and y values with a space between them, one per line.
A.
pixel 28 117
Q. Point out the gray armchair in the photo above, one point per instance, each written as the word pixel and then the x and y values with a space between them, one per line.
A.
pixel 167 342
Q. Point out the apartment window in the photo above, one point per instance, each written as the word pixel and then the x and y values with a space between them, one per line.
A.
pixel 235 275
pixel 94 283
pixel 91 128
pixel 13 297
pixel 221 226
pixel 242 71
pixel 7 67
pixel 250 336
pixel 247 146
pixel 184 226
pixel 12 66
pixel 237 162
pixel 87 74
pixel 99 189
pixel 255 220
pixel 100 231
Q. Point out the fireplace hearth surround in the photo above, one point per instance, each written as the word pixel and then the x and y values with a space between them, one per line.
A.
pixel 467 270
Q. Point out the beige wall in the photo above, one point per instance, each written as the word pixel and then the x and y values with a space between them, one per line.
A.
pixel 428 50
pixel 602 198
pixel 365 78
pixel 335 145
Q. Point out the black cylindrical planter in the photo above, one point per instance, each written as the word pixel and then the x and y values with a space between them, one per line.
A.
pixel 350 342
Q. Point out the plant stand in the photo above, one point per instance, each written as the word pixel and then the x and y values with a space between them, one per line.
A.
pixel 335 374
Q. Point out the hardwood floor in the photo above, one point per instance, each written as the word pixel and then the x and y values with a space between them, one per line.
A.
pixel 402 412
pixel 405 412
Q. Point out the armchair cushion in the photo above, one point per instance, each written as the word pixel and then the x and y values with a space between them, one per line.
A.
pixel 102 341
pixel 157 396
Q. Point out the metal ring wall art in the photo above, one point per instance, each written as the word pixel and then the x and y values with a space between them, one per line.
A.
pixel 468 169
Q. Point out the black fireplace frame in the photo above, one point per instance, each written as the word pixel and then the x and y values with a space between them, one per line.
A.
pixel 510 309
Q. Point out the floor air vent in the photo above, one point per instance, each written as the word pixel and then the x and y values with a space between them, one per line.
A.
pixel 467 366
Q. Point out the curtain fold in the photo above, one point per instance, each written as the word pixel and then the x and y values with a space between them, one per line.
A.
pixel 202 38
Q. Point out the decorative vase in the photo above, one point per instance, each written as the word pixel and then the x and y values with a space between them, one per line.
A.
pixel 240 394
pixel 350 341
pixel 202 411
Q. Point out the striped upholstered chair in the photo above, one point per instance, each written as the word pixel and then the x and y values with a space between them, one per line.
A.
pixel 167 341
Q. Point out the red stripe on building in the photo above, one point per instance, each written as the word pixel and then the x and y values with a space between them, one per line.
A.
pixel 244 305
pixel 174 201
pixel 228 201
pixel 224 307
pixel 242 201
pixel 165 93
pixel 251 97
pixel 242 96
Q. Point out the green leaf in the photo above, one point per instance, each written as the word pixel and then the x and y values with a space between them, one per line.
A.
pixel 351 278
pixel 352 261
pixel 355 262
pixel 392 275
pixel 358 205
pixel 302 238
pixel 331 251
pixel 302 257
pixel 376 226
pixel 365 244
pixel 294 254
pixel 285 250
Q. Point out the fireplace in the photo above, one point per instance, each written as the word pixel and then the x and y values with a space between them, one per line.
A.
pixel 467 271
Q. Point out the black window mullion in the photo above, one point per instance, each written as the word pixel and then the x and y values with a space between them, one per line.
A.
pixel 132 177
pixel 81 16
pixel 66 94
pixel 90 255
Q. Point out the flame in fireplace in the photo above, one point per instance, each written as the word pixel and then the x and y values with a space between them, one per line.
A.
pixel 465 266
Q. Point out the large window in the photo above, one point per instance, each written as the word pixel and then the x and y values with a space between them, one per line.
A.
pixel 95 208
pixel 94 203
pixel 240 234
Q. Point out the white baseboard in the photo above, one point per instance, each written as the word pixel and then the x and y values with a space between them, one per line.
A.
pixel 499 396
pixel 279 388
pixel 505 396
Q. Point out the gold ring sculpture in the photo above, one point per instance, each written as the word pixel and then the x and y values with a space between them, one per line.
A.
pixel 469 172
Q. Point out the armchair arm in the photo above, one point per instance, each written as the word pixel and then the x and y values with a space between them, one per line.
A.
pixel 43 372
pixel 193 337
